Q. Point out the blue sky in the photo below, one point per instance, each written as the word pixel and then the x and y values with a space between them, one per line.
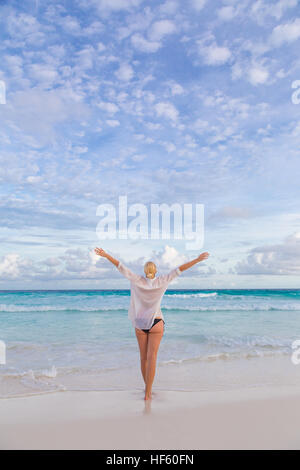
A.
pixel 162 101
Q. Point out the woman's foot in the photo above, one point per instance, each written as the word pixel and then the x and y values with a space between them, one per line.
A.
pixel 148 396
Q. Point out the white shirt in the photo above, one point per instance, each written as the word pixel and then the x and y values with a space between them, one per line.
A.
pixel 145 296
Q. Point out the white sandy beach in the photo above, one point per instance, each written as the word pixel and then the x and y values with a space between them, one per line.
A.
pixel 262 418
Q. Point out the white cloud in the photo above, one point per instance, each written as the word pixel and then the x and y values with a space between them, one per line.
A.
pixel 256 48
pixel 80 149
pixel 285 33
pixel 169 7
pixel 43 73
pixel 169 146
pixel 85 57
pixel 213 54
pixel 70 24
pixel 296 130
pixel 237 71
pixel 25 27
pixel 15 65
pixel 101 47
pixel 73 264
pixel 282 259
pixel 12 266
pixel 200 126
pixel 231 212
pixel 52 261
pixel 143 45
pixel 153 126
pixel 227 13
pixel 112 122
pixel 116 5
pixel 167 110
pixel 125 72
pixel 258 75
pixel 40 113
pixel 169 258
pixel 161 28
pixel 34 179
pixel 139 157
pixel 111 108
pixel 260 9
pixel 176 89
pixel 198 4
pixel 94 28
pixel 254 72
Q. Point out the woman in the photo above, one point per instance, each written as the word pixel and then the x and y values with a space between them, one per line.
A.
pixel 145 313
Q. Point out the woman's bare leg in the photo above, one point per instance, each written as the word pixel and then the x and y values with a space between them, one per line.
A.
pixel 154 338
pixel 142 338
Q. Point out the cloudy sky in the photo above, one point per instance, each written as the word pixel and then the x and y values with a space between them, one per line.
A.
pixel 164 102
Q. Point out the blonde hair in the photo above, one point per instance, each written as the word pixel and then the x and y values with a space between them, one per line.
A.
pixel 150 270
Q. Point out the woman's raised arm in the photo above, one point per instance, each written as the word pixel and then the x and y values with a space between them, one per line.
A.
pixel 188 265
pixel 101 252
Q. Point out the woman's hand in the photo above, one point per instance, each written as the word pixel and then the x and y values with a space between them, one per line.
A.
pixel 203 256
pixel 189 264
pixel 100 252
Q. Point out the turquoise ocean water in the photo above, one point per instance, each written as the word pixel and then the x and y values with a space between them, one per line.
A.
pixel 56 340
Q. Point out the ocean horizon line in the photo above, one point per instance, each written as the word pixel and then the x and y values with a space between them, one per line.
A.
pixel 168 290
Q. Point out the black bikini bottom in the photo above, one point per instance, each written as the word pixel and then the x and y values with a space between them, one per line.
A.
pixel 156 320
